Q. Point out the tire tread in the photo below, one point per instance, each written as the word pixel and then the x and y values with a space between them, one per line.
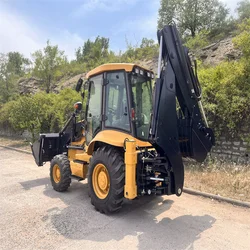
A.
pixel 114 162
pixel 64 165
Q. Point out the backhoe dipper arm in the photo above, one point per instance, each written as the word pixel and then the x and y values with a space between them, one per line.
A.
pixel 185 134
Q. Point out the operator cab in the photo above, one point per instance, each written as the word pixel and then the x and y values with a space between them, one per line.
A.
pixel 119 98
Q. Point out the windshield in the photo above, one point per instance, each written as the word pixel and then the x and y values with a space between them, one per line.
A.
pixel 142 104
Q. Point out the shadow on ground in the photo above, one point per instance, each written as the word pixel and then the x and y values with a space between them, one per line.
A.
pixel 146 218
pixel 35 183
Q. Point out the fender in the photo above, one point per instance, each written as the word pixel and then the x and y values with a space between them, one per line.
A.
pixel 114 138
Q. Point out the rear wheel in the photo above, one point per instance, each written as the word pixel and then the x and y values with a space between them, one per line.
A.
pixel 60 173
pixel 106 179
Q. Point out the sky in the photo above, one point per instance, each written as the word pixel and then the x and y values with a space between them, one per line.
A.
pixel 26 25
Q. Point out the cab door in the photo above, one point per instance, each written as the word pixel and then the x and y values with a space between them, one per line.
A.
pixel 94 107
pixel 116 102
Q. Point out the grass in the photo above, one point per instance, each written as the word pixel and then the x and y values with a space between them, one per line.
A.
pixel 220 178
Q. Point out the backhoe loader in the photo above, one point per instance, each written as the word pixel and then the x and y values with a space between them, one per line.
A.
pixel 133 137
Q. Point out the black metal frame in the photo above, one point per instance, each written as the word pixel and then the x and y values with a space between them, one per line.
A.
pixel 133 122
pixel 52 144
pixel 172 136
pixel 131 130
pixel 87 105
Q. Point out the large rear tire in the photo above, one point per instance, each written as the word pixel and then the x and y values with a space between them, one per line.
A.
pixel 60 173
pixel 106 179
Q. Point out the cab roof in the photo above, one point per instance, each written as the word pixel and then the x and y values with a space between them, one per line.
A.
pixel 128 67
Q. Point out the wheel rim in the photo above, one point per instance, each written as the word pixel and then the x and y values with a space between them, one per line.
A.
pixel 56 173
pixel 100 180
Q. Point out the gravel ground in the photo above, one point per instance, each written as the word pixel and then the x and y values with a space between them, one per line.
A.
pixel 34 216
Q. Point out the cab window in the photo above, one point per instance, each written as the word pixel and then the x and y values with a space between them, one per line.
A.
pixel 94 107
pixel 142 103
pixel 116 106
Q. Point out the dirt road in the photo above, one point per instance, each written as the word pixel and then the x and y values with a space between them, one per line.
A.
pixel 34 216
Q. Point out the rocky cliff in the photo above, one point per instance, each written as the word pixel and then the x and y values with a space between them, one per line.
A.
pixel 217 52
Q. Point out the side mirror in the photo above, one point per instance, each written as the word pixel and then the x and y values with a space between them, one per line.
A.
pixel 79 85
pixel 78 106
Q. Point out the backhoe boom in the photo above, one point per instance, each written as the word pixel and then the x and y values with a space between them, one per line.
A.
pixel 184 133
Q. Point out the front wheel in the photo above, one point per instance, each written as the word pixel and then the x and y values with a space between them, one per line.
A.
pixel 60 173
pixel 106 179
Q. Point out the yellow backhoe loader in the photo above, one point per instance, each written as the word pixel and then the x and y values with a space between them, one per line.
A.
pixel 133 138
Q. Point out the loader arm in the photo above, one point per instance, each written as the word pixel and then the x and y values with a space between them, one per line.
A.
pixel 184 133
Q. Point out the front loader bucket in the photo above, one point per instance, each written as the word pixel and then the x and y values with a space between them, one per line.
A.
pixel 47 147
pixel 37 152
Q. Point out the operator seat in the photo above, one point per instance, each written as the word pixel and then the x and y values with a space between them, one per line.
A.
pixel 123 121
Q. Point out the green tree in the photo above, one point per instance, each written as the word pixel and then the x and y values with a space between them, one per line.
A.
pixel 25 115
pixel 147 43
pixel 243 9
pixel 12 66
pixel 146 50
pixel 93 53
pixel 167 12
pixel 17 64
pixel 199 41
pixel 191 16
pixel 41 112
pixel 47 65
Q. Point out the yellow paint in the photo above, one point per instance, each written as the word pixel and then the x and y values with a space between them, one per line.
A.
pixel 101 181
pixel 128 67
pixel 114 138
pixel 78 169
pixel 78 143
pixel 130 188
pixel 83 156
pixel 73 152
pixel 56 173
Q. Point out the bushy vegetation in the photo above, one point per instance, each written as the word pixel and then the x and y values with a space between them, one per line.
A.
pixel 226 95
pixel 39 112
pixel 199 41
pixel 226 88
pixel 147 50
